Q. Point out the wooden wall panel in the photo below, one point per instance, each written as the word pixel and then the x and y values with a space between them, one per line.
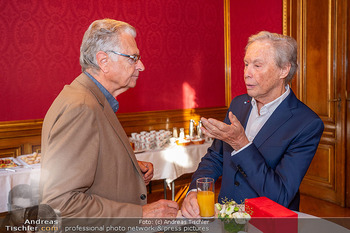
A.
pixel 317 51
pixel 10 151
pixel 322 171
pixel 19 137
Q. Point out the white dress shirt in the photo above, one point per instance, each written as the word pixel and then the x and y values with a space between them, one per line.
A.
pixel 256 121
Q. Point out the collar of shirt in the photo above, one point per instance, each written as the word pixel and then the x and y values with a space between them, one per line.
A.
pixel 256 121
pixel 111 100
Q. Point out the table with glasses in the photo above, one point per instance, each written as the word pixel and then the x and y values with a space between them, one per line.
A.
pixel 169 163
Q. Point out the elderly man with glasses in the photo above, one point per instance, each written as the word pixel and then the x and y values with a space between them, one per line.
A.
pixel 88 166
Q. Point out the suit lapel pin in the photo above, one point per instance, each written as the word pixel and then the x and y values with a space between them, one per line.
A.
pixel 246 102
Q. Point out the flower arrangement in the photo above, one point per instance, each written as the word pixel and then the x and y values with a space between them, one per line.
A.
pixel 233 216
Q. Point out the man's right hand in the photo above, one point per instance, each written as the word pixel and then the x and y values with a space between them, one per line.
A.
pixel 190 207
pixel 161 208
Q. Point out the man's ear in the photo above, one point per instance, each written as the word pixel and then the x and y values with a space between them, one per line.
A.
pixel 102 61
pixel 285 70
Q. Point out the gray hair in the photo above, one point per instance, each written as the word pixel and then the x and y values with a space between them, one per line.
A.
pixel 102 35
pixel 285 50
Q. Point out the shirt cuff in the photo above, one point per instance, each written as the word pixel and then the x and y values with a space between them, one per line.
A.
pixel 192 190
pixel 237 151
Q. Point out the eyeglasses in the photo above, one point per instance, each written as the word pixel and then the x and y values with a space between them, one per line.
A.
pixel 135 58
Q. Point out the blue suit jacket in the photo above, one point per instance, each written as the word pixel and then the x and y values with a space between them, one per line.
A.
pixel 277 160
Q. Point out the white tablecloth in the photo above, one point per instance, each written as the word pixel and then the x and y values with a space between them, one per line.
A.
pixel 174 161
pixel 9 179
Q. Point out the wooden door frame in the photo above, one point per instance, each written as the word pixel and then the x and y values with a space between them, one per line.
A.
pixel 293 25
pixel 347 84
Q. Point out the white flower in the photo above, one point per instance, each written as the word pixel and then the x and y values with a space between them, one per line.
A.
pixel 218 206
pixel 223 209
pixel 229 210
pixel 247 216
pixel 241 218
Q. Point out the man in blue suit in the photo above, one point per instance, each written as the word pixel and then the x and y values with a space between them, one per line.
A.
pixel 268 138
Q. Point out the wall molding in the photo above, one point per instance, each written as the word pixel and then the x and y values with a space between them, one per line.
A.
pixel 12 129
pixel 24 137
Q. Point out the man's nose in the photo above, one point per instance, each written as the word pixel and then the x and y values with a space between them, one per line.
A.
pixel 247 72
pixel 140 66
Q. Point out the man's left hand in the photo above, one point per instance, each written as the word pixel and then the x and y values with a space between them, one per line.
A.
pixel 233 134
pixel 147 171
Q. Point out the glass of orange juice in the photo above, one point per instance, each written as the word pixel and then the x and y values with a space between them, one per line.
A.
pixel 206 196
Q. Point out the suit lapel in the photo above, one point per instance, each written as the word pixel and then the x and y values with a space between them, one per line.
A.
pixel 247 108
pixel 113 120
pixel 277 119
pixel 111 116
pixel 243 111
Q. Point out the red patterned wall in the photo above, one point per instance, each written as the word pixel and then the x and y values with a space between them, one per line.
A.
pixel 247 18
pixel 181 43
